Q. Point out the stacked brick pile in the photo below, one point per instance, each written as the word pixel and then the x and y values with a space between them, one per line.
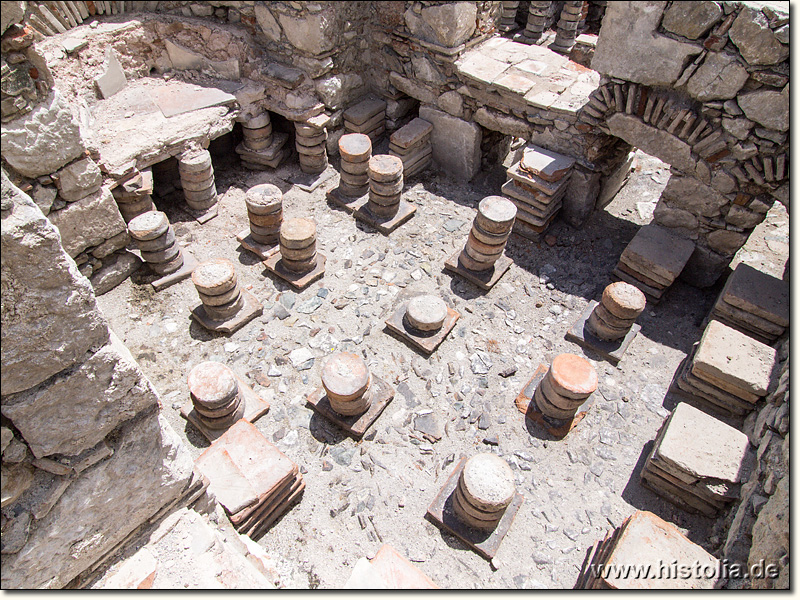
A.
pixel 412 144
pixel 367 117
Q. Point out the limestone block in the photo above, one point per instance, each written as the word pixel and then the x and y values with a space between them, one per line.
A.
pixel 12 13
pixel 756 41
pixel 739 216
pixel 184 59
pixel 114 271
pixel 80 407
pixel 720 77
pixel 269 26
pixel 451 102
pixel 44 140
pixel 79 179
pixel 150 468
pixel 88 222
pixel 738 128
pixel 112 79
pixel 447 24
pixel 507 124
pixel 674 217
pixel 629 48
pixel 426 70
pixel 456 143
pixel 49 314
pixel 44 196
pixel 581 196
pixel 337 90
pixel 655 142
pixel 312 33
pixel 767 107
pixel 688 193
pixel 691 19
pixel 725 241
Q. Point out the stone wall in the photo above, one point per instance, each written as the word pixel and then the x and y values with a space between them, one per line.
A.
pixel 758 528
pixel 86 458
pixel 705 87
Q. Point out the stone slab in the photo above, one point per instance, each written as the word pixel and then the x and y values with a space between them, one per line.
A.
pixel 410 134
pixel 702 446
pixel 364 111
pixel 612 351
pixel 485 543
pixel 750 321
pixel 548 165
pixel 649 540
pixel 262 251
pixel 759 293
pixel 547 187
pixel 404 213
pixel 652 294
pixel 732 413
pixel 202 216
pixel 298 281
pixel 252 308
pixel 398 572
pixel 357 425
pixel 654 481
pixel 308 182
pixel 349 203
pixel 558 428
pixel 659 250
pixel 427 342
pixel 485 280
pixel 112 79
pixel 736 358
pixel 189 265
pixel 255 407
pixel 178 98
pixel 262 464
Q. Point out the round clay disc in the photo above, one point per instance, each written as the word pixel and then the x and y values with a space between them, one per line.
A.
pixel 498 212
pixel 385 168
pixel 298 233
pixel 148 226
pixel 426 313
pixel 214 277
pixel 212 384
pixel 355 147
pixel 488 482
pixel 264 199
pixel 623 300
pixel 345 376
pixel 573 376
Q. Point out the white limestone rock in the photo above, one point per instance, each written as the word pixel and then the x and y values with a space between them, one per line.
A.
pixel 767 107
pixel 79 179
pixel 447 24
pixel 50 318
pixel 79 408
pixel 44 140
pixel 755 39
pixel 456 143
pixel 720 77
pixel 88 222
pixel 312 34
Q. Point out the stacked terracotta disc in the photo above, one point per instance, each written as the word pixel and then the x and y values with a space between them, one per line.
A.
pixel 426 313
pixel 156 241
pixel 355 150
pixel 385 185
pixel 310 139
pixel 618 309
pixel 346 380
pixel 257 132
pixel 133 196
pixel 489 234
pixel 484 491
pixel 197 179
pixel 298 245
pixel 218 287
pixel 265 212
pixel 566 385
pixel 261 148
pixel 215 395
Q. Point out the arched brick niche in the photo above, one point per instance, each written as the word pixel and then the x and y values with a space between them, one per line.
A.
pixel 704 87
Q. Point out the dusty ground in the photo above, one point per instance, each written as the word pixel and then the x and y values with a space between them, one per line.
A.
pixel 360 494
